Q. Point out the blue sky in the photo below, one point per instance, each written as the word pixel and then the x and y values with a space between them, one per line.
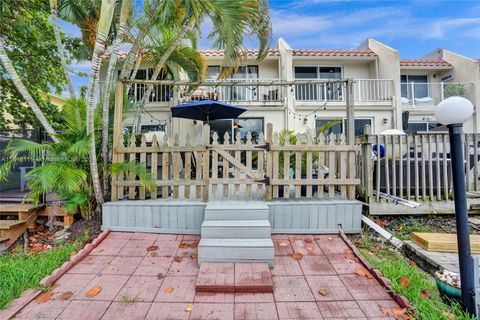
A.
pixel 414 27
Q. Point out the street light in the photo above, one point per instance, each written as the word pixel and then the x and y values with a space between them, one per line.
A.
pixel 453 112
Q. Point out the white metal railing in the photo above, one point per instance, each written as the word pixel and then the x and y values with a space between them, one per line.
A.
pixel 365 90
pixel 416 94
pixel 160 92
pixel 227 90
pixel 373 90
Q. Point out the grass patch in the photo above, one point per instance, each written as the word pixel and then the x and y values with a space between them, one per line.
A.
pixel 421 289
pixel 19 272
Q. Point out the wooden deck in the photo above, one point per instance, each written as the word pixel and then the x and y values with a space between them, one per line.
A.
pixel 443 242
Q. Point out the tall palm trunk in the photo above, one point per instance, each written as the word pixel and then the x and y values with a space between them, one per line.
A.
pixel 60 48
pixel 61 54
pixel 106 16
pixel 23 90
pixel 139 40
pixel 124 13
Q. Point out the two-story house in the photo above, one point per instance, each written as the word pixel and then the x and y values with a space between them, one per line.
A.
pixel 389 92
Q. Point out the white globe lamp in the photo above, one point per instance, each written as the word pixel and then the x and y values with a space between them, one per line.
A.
pixel 454 110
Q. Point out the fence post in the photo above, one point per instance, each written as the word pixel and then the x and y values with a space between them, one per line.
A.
pixel 269 171
pixel 367 163
pixel 206 161
pixel 117 131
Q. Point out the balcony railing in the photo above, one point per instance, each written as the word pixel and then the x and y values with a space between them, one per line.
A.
pixel 365 90
pixel 238 90
pixel 266 90
pixel 430 94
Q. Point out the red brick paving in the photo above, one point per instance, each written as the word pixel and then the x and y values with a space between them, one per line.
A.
pixel 253 277
pixel 137 284
pixel 216 277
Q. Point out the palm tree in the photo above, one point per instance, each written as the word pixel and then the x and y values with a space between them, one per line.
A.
pixel 124 15
pixel 232 21
pixel 103 27
pixel 60 48
pixel 7 63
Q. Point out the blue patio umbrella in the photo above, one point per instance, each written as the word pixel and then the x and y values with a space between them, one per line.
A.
pixel 206 110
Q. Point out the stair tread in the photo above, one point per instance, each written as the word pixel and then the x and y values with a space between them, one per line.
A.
pixel 236 223
pixel 236 242
pixel 4 239
pixel 232 205
pixel 8 224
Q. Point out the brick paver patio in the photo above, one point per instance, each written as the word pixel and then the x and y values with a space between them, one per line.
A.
pixel 160 284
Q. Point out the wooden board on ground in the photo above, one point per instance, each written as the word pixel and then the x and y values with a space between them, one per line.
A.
pixel 443 242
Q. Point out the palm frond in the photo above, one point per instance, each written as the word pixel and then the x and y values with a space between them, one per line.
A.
pixel 26 148
pixel 138 169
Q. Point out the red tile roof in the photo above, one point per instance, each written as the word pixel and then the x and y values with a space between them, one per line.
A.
pixel 424 63
pixel 334 53
pixel 250 52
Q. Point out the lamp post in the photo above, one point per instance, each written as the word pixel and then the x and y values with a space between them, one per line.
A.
pixel 453 112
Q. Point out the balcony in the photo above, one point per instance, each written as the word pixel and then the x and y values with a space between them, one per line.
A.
pixel 250 91
pixel 365 90
pixel 428 95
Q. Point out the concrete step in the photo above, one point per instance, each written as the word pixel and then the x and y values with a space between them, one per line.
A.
pixel 236 250
pixel 236 214
pixel 236 229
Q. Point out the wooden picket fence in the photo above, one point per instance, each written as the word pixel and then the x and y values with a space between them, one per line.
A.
pixel 248 168
pixel 415 167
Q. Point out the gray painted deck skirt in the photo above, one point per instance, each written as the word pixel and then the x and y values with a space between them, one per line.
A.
pixel 285 216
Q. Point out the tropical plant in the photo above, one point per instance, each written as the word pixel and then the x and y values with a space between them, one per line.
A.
pixel 65 168
pixel 292 138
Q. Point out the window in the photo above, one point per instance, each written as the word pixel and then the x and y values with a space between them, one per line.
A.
pixel 342 126
pixel 150 127
pixel 160 93
pixel 336 129
pixel 414 86
pixel 314 92
pixel 245 125
pixel 243 72
pixel 241 125
pixel 413 127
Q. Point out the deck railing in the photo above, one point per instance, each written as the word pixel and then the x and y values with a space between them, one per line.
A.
pixel 365 90
pixel 428 95
pixel 203 169
pixel 415 167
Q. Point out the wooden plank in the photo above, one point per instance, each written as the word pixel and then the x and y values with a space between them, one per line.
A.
pixel 314 147
pixel 176 166
pixel 188 168
pixel 159 149
pixel 236 162
pixel 225 168
pixel 198 173
pixel 444 242
pixel 215 160
pixel 298 169
pixel 154 167
pixel 351 173
pixel 269 168
pixel 121 175
pixel 117 131
pixel 323 182
pixel 206 161
pixel 19 207
pixel 275 156
pixel 331 166
pixel 343 168
pixel 286 169
pixel 165 167
pixel 321 165
pixel 238 141
pixel 387 166
pixel 248 163
pixel 131 176
pixel 261 160
pixel 143 159
pixel 309 165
